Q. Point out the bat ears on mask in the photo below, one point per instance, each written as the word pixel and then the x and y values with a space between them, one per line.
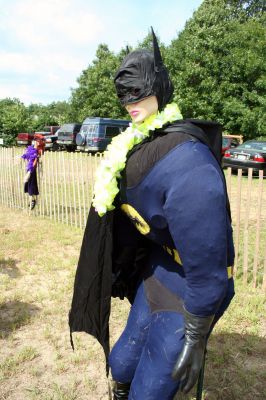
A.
pixel 158 61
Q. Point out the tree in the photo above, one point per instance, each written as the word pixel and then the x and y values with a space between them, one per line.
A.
pixel 95 95
pixel 218 68
pixel 55 113
pixel 14 118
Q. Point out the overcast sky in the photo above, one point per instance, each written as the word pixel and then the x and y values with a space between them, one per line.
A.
pixel 45 44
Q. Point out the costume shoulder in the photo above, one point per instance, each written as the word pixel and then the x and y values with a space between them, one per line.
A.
pixel 145 155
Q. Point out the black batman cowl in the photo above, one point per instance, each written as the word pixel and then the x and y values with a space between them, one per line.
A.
pixel 143 74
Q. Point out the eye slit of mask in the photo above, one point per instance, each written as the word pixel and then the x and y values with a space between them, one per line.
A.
pixel 135 91
pixel 122 91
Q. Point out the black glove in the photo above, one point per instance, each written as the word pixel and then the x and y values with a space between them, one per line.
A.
pixel 119 286
pixel 127 270
pixel 190 359
pixel 123 265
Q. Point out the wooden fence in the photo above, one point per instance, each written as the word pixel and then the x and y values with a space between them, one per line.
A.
pixel 66 184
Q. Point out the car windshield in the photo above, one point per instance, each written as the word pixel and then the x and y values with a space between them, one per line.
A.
pixel 46 129
pixel 226 142
pixel 46 133
pixel 253 146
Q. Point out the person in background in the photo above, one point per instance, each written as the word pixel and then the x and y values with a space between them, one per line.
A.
pixel 32 156
pixel 159 233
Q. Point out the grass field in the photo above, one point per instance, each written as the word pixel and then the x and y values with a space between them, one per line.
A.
pixel 38 258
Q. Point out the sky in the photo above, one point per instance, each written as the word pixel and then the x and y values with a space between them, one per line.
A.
pixel 45 44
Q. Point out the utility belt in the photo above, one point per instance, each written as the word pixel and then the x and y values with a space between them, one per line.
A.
pixel 175 255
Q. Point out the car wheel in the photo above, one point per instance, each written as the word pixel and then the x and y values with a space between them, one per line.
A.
pixel 69 149
pixel 55 147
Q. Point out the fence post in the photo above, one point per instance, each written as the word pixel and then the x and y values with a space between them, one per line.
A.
pixel 65 191
pixel 53 186
pixel 257 242
pixel 228 182
pixel 83 183
pixel 74 187
pixel 91 185
pixel 49 183
pixel 245 251
pixel 1 180
pixel 78 188
pixel 238 205
pixel 13 187
pixel 70 190
pixel 264 272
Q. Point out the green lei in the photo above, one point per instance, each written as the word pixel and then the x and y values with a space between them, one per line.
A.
pixel 115 156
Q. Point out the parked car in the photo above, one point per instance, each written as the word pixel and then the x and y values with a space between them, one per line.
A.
pixel 250 154
pixel 24 138
pixel 50 134
pixel 3 141
pixel 67 136
pixel 231 141
pixel 96 133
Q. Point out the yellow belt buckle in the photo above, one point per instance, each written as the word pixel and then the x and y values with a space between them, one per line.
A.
pixel 230 272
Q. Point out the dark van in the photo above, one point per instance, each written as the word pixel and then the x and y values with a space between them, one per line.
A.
pixel 67 136
pixel 96 133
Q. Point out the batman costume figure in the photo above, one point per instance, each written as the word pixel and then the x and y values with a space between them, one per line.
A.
pixel 167 245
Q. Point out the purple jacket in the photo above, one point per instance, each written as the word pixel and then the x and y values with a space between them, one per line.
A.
pixel 30 155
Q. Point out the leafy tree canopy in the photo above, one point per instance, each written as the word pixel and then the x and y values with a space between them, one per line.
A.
pixel 55 113
pixel 95 94
pixel 13 119
pixel 218 67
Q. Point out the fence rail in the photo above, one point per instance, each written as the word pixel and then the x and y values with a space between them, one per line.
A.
pixel 66 184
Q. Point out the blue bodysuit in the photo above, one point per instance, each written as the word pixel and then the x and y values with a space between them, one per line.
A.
pixel 178 204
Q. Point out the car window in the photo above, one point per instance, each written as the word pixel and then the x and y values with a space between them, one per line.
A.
pixel 68 128
pixel 253 146
pixel 111 131
pixel 225 142
pixel 234 143
pixel 89 129
pixel 77 128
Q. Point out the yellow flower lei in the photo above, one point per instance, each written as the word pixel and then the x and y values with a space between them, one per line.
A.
pixel 115 156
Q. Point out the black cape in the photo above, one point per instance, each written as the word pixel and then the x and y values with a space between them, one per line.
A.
pixel 91 303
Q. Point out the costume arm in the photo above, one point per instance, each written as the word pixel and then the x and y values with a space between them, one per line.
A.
pixel 35 162
pixel 195 209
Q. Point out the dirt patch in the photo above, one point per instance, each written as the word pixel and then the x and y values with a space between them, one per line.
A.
pixel 37 266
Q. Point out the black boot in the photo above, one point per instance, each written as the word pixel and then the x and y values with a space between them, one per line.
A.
pixel 32 204
pixel 121 391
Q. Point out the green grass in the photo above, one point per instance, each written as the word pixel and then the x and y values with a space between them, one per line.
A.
pixel 38 258
pixel 15 363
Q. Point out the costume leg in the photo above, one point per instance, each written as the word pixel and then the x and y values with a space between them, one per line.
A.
pixel 33 184
pixel 126 353
pixel 152 380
